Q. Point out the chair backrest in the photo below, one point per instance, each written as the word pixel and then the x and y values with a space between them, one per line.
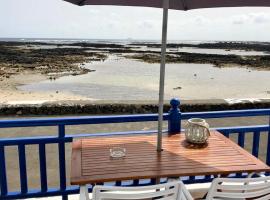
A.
pixel 167 191
pixel 240 188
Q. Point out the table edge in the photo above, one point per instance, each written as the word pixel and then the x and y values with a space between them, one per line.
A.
pixel 76 172
pixel 76 163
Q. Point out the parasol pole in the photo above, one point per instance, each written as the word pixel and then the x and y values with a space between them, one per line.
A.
pixel 162 73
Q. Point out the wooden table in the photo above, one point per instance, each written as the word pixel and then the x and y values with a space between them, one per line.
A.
pixel 91 162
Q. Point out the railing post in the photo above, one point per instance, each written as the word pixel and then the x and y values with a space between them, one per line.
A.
pixel 268 146
pixel 43 168
pixel 174 122
pixel 23 170
pixel 256 143
pixel 3 175
pixel 62 159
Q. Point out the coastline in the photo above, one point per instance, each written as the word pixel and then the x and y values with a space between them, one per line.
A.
pixel 89 107
pixel 24 63
pixel 11 95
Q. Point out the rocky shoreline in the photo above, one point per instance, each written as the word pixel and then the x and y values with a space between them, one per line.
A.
pixel 246 46
pixel 260 62
pixel 27 62
pixel 100 108
pixel 16 58
pixel 252 62
pixel 60 59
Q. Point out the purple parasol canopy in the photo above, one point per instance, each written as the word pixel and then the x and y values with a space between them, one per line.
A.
pixel 176 4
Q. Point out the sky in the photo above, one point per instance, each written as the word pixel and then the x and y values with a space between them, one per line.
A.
pixel 60 19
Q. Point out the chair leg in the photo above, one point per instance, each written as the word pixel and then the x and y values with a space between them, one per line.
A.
pixel 84 193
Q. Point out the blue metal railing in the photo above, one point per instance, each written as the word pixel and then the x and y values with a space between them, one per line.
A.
pixel 174 117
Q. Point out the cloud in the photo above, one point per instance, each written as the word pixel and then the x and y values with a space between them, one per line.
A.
pixel 261 18
pixel 255 18
pixel 147 24
pixel 200 20
pixel 240 19
pixel 57 18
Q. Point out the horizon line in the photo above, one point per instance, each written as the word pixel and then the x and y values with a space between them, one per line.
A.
pixel 134 39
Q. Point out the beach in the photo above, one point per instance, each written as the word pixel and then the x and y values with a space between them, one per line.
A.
pixel 11 95
pixel 118 79
pixel 38 72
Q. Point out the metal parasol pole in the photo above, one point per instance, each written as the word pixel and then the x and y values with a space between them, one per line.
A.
pixel 162 73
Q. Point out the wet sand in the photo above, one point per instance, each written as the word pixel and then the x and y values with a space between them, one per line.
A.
pixel 136 80
pixel 9 94
pixel 119 78
pixel 34 72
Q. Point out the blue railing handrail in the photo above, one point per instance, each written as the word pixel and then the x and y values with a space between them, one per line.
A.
pixel 79 120
pixel 125 118
pixel 245 129
pixel 69 138
pixel 66 138
pixel 227 113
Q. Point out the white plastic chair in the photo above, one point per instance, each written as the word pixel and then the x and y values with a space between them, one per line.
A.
pixel 240 189
pixel 167 191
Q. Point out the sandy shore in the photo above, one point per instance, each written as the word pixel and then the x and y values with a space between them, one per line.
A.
pixel 9 94
pixel 28 63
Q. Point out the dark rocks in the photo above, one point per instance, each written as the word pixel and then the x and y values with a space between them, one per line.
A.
pixel 255 62
pixel 45 61
pixel 52 78
pixel 228 46
pixel 177 88
pixel 87 108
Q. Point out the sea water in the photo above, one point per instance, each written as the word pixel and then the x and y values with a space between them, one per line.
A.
pixel 118 78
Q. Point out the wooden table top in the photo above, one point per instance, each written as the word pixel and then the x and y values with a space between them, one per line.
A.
pixel 91 161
